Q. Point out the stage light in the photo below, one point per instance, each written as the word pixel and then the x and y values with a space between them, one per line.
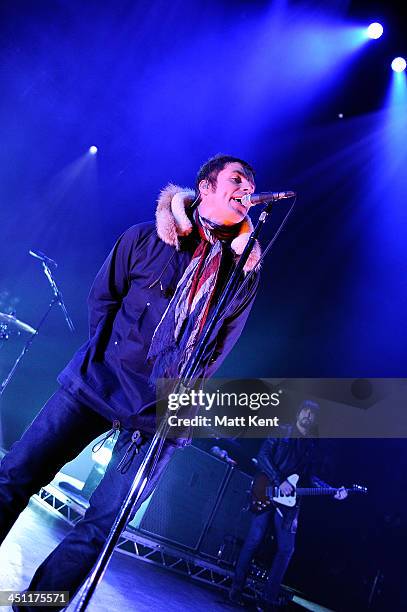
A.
pixel 93 150
pixel 398 64
pixel 375 30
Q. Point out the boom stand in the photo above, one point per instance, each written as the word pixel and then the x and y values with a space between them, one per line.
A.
pixel 149 463
pixel 57 300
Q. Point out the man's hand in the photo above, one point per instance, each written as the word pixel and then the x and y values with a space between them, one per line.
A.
pixel 286 488
pixel 341 494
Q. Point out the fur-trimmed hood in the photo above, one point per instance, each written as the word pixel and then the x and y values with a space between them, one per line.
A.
pixel 172 222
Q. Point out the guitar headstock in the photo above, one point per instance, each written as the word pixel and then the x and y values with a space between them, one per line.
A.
pixel 356 488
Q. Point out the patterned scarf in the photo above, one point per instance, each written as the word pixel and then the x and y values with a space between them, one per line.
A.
pixel 180 327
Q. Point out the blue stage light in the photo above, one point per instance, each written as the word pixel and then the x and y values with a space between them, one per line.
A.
pixel 375 30
pixel 398 64
pixel 93 150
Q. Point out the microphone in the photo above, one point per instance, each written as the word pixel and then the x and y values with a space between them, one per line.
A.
pixel 43 257
pixel 267 196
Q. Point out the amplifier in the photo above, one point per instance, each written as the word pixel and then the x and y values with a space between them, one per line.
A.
pixel 184 500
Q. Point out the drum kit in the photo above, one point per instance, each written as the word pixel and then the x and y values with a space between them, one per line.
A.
pixel 9 322
pixel 10 325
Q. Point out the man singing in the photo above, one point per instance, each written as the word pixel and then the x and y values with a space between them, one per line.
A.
pixel 147 308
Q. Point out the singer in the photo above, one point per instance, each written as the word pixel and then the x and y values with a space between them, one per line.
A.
pixel 147 308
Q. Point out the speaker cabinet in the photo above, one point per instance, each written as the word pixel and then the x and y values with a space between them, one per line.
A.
pixel 185 497
pixel 230 522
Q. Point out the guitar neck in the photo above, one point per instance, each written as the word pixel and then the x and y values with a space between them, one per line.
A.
pixel 316 491
pixel 274 491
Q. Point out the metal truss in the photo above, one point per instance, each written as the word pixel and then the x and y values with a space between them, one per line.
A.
pixel 57 502
pixel 135 544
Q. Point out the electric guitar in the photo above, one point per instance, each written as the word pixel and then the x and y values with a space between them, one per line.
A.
pixel 263 493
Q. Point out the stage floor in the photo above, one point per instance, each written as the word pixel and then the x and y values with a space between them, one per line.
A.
pixel 129 584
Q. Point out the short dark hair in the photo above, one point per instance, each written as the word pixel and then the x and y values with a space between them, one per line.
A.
pixel 314 406
pixel 211 168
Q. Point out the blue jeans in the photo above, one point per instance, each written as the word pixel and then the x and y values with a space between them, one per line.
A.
pixel 285 535
pixel 60 431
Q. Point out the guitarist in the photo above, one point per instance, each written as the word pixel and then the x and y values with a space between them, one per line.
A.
pixel 277 459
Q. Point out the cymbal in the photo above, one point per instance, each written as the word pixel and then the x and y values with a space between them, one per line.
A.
pixel 7 318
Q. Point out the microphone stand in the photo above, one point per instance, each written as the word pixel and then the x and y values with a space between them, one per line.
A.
pixel 150 460
pixel 56 300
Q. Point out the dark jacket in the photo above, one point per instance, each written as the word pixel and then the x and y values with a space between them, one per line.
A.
pixel 126 302
pixel 278 458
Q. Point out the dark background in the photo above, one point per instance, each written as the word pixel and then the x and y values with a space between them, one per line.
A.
pixel 159 87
